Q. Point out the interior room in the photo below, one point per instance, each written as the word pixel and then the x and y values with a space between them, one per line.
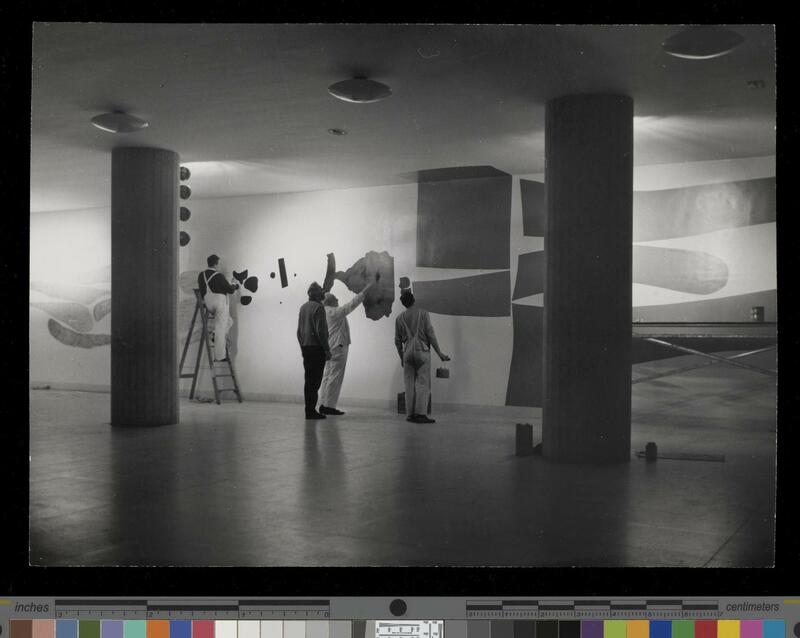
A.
pixel 584 215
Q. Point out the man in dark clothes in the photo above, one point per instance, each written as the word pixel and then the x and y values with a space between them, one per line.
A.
pixel 312 334
pixel 215 289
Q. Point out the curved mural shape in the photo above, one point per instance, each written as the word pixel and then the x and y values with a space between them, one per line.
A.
pixel 101 309
pixel 69 337
pixel 689 271
pixel 74 315
pixel 477 296
pixel 379 299
pixel 330 273
pixel 79 294
pixel 693 210
pixel 733 308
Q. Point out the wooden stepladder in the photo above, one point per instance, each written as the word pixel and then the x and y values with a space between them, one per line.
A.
pixel 205 343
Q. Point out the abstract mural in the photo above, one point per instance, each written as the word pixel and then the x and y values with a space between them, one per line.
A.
pixel 533 212
pixel 699 273
pixel 379 299
pixel 476 296
pixel 463 217
pixel 69 337
pixel 527 360
pixel 530 275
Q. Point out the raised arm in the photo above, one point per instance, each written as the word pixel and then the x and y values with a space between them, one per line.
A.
pixel 354 303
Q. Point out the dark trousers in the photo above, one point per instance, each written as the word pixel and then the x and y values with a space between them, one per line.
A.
pixel 314 365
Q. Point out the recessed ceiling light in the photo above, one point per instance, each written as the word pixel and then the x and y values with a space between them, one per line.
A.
pixel 337 131
pixel 359 90
pixel 118 122
pixel 702 43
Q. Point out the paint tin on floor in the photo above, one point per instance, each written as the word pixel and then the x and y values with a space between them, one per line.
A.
pixel 651 451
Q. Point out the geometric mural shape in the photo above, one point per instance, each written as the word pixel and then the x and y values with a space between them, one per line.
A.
pixel 184 238
pixel 533 216
pixel 71 338
pixel 101 309
pixel 282 270
pixel 379 299
pixel 464 223
pixel 185 214
pixel 693 210
pixel 676 269
pixel 525 376
pixel 476 296
pixel 530 275
pixel 76 316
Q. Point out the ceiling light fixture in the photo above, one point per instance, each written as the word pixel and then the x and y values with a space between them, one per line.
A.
pixel 337 131
pixel 702 43
pixel 359 90
pixel 118 122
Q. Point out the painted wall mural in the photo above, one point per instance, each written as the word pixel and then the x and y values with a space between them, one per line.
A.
pixel 379 299
pixel 476 296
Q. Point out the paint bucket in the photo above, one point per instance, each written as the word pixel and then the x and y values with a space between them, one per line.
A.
pixel 443 372
pixel 651 451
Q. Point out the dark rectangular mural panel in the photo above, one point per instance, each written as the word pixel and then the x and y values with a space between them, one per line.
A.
pixel 530 275
pixel 464 223
pixel 692 210
pixel 476 296
pixel 533 213
pixel 733 308
pixel 525 377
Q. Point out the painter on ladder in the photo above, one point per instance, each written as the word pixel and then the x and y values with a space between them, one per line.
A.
pixel 339 341
pixel 214 289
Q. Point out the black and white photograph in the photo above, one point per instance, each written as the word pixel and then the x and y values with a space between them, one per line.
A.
pixel 379 295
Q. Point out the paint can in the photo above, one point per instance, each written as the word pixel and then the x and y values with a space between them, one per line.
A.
pixel 443 372
pixel 524 443
pixel 651 452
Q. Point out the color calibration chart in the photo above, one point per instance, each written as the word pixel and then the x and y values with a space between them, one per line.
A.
pixel 414 617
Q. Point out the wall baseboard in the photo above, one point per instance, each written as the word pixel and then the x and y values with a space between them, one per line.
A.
pixel 261 397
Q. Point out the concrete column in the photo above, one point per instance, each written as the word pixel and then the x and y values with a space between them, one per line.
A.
pixel 144 279
pixel 587 298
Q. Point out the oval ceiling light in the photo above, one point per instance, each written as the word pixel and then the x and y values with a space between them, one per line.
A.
pixel 702 43
pixel 119 122
pixel 359 90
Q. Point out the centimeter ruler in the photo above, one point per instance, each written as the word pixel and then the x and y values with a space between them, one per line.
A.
pixel 590 608
pixel 194 609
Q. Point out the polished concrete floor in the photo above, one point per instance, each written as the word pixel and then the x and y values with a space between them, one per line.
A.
pixel 255 484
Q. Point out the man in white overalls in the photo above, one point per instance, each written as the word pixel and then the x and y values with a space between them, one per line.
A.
pixel 215 289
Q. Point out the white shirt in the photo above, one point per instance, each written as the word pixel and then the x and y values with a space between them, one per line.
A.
pixel 338 328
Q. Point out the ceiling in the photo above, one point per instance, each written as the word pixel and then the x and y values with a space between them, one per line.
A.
pixel 247 108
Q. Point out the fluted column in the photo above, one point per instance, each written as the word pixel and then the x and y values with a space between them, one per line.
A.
pixel 144 276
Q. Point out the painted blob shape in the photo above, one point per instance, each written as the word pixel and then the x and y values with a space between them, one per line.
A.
pixel 272 275
pixel 184 238
pixel 101 309
pixel 378 300
pixel 246 299
pixel 477 296
pixel 185 214
pixel 240 276
pixel 689 271
pixel 251 284
pixel 76 316
pixel 69 337
pixel 405 282
pixel 79 294
pixel 186 192
pixel 330 274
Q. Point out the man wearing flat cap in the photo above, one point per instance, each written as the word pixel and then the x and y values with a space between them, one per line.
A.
pixel 339 338
pixel 312 334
